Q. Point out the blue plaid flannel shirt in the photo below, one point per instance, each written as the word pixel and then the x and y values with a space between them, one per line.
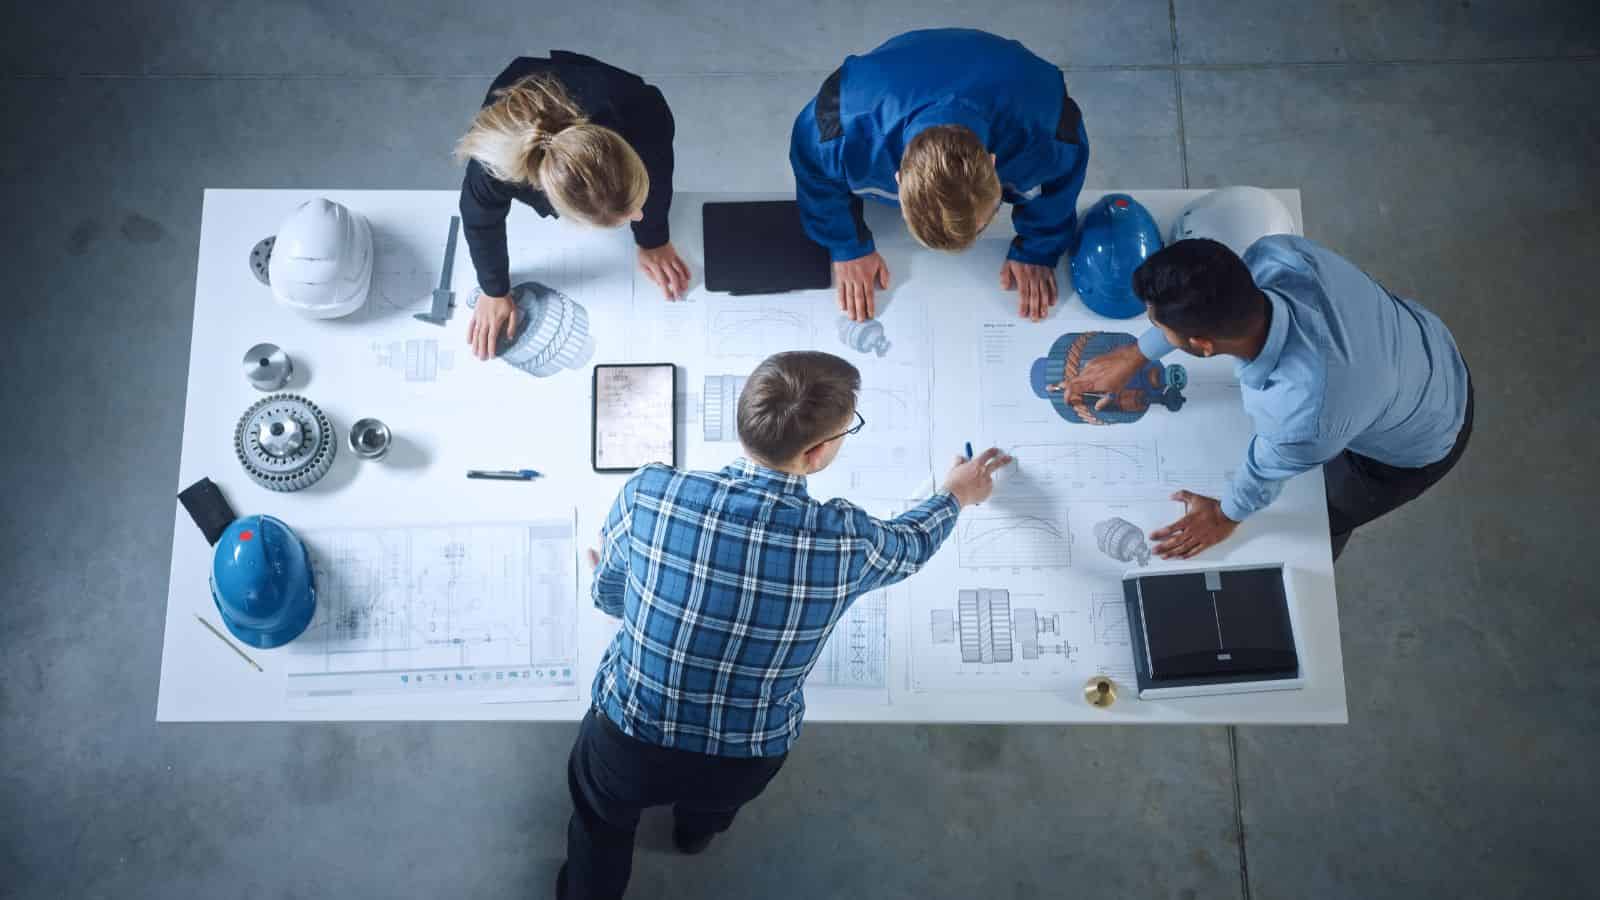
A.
pixel 727 584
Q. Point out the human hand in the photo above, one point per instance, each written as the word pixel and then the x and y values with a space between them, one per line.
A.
pixel 972 480
pixel 667 269
pixel 1203 525
pixel 490 317
pixel 594 558
pixel 1104 375
pixel 855 279
pixel 1035 287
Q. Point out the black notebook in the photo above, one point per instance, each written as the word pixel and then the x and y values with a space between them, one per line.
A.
pixel 760 248
pixel 1212 631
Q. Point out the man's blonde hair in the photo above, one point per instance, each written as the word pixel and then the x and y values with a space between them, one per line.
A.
pixel 949 189
pixel 535 134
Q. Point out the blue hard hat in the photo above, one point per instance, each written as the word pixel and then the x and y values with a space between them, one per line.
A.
pixel 262 582
pixel 1114 237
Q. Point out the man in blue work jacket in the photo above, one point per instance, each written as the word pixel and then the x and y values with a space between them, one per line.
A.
pixel 1335 372
pixel 946 123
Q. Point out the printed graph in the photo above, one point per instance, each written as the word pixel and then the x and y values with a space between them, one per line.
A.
pixel 1101 462
pixel 1109 615
pixel 757 330
pixel 1014 537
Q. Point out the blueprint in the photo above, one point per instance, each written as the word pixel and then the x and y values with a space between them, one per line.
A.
pixel 1025 595
pixel 718 339
pixel 857 653
pixel 429 614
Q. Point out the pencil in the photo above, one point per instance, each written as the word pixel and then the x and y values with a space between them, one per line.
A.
pixel 223 638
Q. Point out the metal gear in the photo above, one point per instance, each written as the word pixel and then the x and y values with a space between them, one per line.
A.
pixel 284 442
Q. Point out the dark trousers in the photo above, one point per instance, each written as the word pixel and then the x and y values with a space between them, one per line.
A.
pixel 613 777
pixel 1361 489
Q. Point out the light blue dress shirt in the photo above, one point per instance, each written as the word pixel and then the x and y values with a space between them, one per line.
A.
pixel 1346 365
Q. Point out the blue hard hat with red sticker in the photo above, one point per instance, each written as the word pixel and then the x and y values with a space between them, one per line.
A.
pixel 1114 237
pixel 262 582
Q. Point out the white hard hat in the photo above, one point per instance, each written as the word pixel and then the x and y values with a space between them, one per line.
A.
pixel 321 263
pixel 1236 216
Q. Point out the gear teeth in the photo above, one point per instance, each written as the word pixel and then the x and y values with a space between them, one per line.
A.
pixel 305 466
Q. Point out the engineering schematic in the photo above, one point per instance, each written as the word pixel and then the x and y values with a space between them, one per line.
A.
pixel 988 630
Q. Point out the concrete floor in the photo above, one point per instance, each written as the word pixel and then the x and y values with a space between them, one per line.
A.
pixel 1448 147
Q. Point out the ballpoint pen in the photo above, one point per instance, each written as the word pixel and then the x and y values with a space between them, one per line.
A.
pixel 504 474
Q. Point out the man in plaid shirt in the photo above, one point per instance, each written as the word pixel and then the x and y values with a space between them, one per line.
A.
pixel 728 584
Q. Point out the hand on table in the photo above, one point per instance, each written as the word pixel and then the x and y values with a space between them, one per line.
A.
pixel 491 317
pixel 1104 375
pixel 1203 525
pixel 972 480
pixel 667 269
pixel 1035 287
pixel 855 279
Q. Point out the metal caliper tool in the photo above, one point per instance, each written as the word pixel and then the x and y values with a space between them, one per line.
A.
pixel 442 295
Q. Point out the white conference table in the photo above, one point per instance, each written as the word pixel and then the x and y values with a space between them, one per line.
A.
pixel 451 413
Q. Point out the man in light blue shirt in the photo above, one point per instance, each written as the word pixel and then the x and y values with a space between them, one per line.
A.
pixel 1335 372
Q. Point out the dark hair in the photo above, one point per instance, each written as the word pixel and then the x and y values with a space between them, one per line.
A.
pixel 1200 288
pixel 794 400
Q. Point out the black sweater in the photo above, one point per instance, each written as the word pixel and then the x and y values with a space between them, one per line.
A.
pixel 610 97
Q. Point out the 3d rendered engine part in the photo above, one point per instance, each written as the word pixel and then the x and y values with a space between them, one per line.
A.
pixel 370 439
pixel 552 330
pixel 1122 540
pixel 865 337
pixel 284 442
pixel 1153 385
pixel 267 367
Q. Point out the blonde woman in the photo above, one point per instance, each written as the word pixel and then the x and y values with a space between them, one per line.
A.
pixel 569 136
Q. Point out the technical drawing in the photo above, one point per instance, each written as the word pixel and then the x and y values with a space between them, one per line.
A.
pixel 856 654
pixel 992 536
pixel 400 279
pixel 984 620
pixel 418 360
pixel 1100 462
pixel 896 409
pixel 988 630
pixel 1121 540
pixel 1108 613
pixel 757 329
pixel 1029 626
pixel 719 419
pixel 864 337
pixel 471 608
pixel 1154 384
pixel 552 331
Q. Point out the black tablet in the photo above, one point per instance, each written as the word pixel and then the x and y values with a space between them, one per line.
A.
pixel 634 415
pixel 759 248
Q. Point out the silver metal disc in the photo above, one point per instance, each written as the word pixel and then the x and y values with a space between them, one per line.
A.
pixel 267 367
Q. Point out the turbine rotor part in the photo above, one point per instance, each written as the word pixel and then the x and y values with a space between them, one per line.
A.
pixel 284 442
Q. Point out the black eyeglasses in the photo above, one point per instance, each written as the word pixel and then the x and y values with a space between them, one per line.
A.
pixel 860 424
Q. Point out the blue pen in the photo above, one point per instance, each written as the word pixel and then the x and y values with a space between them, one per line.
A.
pixel 969 449
pixel 504 474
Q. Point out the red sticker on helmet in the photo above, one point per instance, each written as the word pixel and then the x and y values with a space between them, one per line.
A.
pixel 1121 202
pixel 246 535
